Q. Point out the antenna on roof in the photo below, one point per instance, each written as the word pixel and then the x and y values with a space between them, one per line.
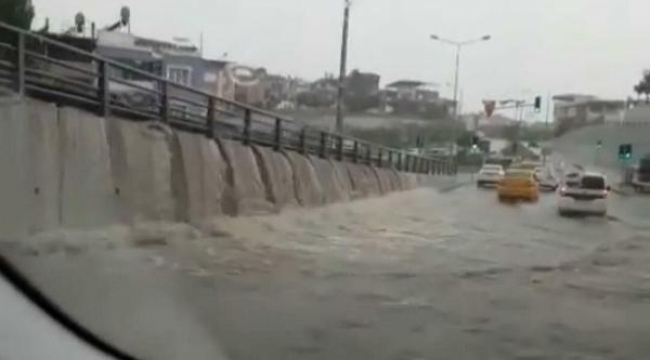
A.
pixel 79 22
pixel 125 20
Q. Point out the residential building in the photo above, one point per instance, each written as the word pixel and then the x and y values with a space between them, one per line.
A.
pixel 637 111
pixel 409 90
pixel 362 84
pixel 322 93
pixel 178 61
pixel 574 110
pixel 250 85
pixel 409 97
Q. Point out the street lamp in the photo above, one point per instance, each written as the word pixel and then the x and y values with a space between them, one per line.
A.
pixel 458 45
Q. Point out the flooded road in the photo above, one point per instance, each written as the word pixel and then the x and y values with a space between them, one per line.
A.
pixel 425 274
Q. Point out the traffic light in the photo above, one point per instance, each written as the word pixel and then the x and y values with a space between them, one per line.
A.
pixel 625 151
pixel 538 103
pixel 475 141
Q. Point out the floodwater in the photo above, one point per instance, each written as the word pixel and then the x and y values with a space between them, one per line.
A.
pixel 425 274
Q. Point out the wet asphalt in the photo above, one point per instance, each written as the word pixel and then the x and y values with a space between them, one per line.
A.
pixel 425 274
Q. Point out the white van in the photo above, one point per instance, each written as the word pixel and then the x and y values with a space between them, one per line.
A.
pixel 586 196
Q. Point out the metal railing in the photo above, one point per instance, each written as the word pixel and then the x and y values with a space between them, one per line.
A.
pixel 37 66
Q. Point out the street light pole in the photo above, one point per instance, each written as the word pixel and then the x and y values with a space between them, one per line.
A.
pixel 458 45
pixel 343 68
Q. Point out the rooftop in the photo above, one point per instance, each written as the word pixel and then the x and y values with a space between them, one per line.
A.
pixel 408 83
pixel 591 101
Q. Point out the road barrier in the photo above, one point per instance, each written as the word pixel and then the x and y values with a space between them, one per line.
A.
pixel 38 66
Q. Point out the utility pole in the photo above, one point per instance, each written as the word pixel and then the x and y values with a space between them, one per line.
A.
pixel 548 112
pixel 456 73
pixel 343 69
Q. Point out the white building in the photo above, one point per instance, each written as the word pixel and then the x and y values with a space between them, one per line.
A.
pixel 575 110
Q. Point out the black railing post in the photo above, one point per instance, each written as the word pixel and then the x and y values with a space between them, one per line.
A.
pixel 380 155
pixel 247 127
pixel 20 65
pixel 399 161
pixel 210 118
pixel 339 148
pixel 103 89
pixel 368 153
pixel 303 141
pixel 407 163
pixel 323 144
pixel 390 158
pixel 278 134
pixel 355 154
pixel 164 108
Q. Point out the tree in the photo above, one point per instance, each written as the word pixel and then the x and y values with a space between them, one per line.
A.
pixel 18 13
pixel 643 87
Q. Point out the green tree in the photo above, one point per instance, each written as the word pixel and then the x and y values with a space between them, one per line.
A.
pixel 19 13
pixel 643 87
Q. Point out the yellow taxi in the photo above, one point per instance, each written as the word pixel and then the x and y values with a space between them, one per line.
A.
pixel 518 184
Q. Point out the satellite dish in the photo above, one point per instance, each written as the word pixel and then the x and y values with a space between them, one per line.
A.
pixel 80 21
pixel 125 15
pixel 244 75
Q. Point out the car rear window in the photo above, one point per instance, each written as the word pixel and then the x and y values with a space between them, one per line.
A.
pixel 519 174
pixel 593 183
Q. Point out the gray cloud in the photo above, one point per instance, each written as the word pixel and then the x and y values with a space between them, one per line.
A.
pixel 591 46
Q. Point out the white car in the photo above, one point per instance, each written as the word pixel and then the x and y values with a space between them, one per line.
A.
pixel 546 179
pixel 588 196
pixel 490 174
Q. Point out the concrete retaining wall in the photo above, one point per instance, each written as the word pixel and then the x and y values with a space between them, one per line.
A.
pixel 277 176
pixel 364 180
pixel 142 166
pixel 383 178
pixel 334 189
pixel 44 158
pixel 204 175
pixel 22 185
pixel 409 181
pixel 360 187
pixel 64 167
pixel 88 197
pixel 395 182
pixel 245 192
pixel 308 188
pixel 344 179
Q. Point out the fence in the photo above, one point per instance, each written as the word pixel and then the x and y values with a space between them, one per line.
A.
pixel 37 66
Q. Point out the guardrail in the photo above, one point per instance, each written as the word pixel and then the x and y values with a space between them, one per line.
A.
pixel 37 66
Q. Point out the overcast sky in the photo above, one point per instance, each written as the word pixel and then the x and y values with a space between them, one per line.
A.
pixel 588 46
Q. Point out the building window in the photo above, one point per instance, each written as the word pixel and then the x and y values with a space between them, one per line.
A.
pixel 180 74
